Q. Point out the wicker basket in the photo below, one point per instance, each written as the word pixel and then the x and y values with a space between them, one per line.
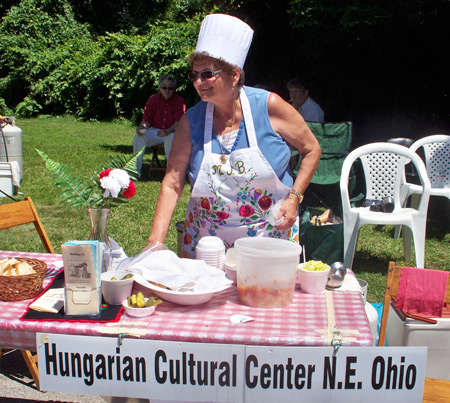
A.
pixel 18 288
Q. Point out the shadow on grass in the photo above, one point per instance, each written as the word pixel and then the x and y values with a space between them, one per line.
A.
pixel 438 220
pixel 367 262
pixel 119 148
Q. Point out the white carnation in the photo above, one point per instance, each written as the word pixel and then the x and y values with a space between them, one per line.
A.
pixel 121 177
pixel 111 185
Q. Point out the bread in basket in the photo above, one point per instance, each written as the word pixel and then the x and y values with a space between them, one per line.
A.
pixel 17 287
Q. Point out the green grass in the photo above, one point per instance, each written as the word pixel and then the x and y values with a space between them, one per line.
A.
pixel 85 146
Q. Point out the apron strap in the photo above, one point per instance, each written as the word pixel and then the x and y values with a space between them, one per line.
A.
pixel 207 134
pixel 248 118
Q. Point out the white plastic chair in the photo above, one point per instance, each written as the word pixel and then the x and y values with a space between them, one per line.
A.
pixel 436 150
pixel 383 165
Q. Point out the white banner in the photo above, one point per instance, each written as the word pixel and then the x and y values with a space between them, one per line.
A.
pixel 228 372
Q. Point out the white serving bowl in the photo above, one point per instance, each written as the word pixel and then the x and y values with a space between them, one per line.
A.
pixel 115 291
pixel 178 297
pixel 138 312
pixel 231 272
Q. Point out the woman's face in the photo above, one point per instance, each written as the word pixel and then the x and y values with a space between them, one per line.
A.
pixel 212 88
pixel 167 89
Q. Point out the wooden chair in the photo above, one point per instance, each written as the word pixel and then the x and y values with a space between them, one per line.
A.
pixel 155 163
pixel 392 283
pixel 20 213
pixel 436 391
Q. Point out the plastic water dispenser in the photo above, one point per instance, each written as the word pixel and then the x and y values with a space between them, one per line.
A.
pixel 11 142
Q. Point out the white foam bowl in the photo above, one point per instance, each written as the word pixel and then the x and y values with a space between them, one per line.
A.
pixel 312 282
pixel 115 291
pixel 138 312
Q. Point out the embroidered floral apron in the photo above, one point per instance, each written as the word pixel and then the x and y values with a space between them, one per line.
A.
pixel 232 200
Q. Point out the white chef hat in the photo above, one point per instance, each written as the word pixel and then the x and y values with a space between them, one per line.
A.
pixel 226 37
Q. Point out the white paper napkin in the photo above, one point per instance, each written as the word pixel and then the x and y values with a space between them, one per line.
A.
pixel 165 267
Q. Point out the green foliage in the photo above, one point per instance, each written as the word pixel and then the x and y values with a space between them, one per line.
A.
pixel 79 192
pixel 75 191
pixel 28 107
pixel 4 109
pixel 126 163
pixel 53 65
pixel 375 63
pixel 36 37
pixel 350 13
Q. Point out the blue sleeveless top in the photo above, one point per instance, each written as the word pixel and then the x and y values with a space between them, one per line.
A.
pixel 272 145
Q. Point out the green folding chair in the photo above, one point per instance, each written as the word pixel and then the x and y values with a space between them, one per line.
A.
pixel 335 140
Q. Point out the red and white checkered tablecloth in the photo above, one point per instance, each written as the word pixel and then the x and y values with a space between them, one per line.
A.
pixel 303 323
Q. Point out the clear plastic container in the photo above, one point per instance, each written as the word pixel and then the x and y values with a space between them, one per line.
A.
pixel 266 271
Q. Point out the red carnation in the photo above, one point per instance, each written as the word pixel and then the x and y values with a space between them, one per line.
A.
pixel 265 202
pixel 131 190
pixel 104 174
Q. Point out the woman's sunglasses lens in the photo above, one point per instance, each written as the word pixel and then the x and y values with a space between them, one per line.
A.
pixel 205 75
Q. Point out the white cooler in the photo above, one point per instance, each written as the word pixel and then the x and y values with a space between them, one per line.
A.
pixel 436 337
pixel 6 184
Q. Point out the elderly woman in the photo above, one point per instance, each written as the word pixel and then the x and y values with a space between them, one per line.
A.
pixel 234 147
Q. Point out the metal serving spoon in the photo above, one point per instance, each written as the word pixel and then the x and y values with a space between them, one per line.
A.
pixel 336 275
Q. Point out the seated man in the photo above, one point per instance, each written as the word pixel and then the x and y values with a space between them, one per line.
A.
pixel 300 100
pixel 162 113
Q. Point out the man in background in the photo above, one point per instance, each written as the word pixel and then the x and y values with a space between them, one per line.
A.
pixel 300 100
pixel 162 113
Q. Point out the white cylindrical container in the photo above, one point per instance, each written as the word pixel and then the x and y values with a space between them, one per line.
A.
pixel 11 144
pixel 211 250
pixel 266 271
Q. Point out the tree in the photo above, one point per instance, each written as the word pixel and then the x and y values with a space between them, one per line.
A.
pixel 54 65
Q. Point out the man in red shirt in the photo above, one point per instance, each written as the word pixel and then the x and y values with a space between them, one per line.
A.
pixel 162 113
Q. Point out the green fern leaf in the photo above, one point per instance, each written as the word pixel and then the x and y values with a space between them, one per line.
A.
pixel 126 163
pixel 75 191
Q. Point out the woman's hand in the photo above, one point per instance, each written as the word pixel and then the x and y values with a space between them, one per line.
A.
pixel 288 210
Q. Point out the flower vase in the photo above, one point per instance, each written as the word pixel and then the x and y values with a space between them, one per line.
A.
pixel 99 220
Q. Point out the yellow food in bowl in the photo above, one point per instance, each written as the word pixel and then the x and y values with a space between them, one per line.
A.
pixel 315 265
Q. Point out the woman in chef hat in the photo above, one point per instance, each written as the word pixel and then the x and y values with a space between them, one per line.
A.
pixel 234 147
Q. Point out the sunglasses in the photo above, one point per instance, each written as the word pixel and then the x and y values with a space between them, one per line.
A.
pixel 167 88
pixel 204 75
